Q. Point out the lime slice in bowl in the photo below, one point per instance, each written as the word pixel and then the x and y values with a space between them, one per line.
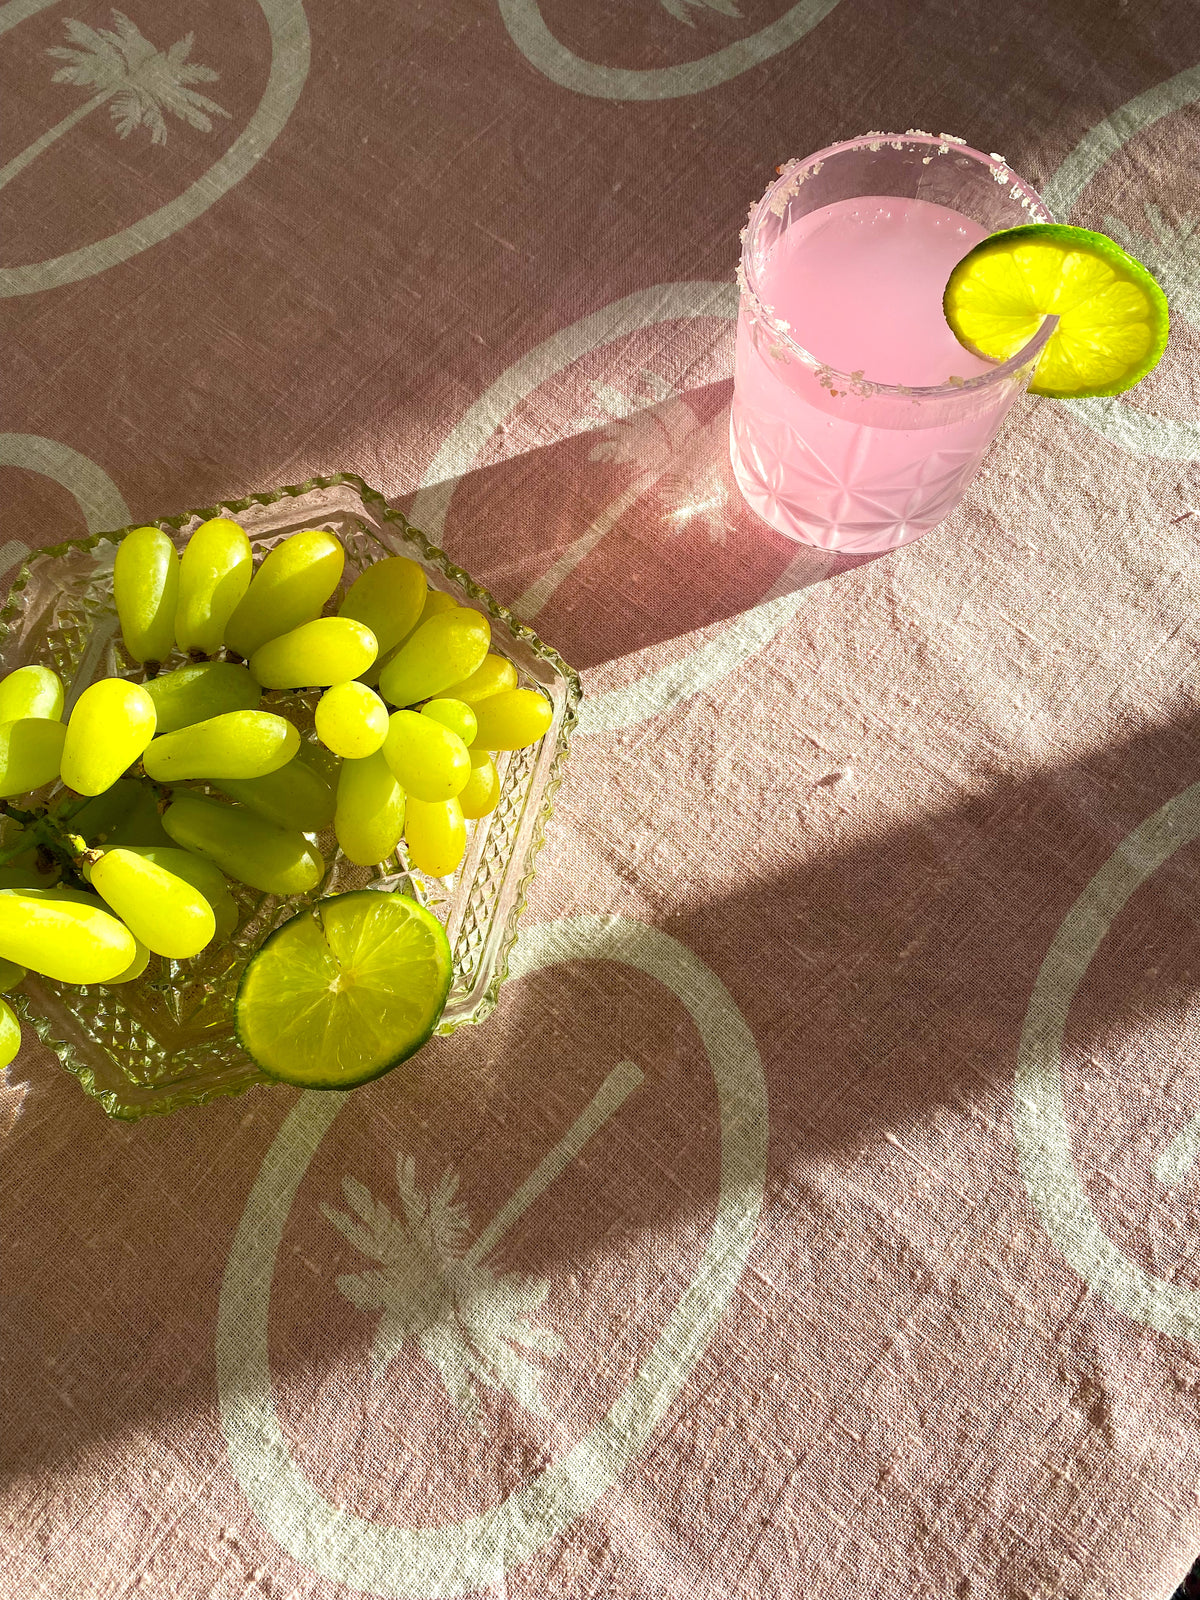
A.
pixel 344 991
pixel 1112 315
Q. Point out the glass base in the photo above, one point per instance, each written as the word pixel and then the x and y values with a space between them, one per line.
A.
pixel 856 529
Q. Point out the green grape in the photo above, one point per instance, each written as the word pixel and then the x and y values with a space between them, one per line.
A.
pixel 62 939
pixel 440 652
pixel 62 893
pixel 31 752
pixel 31 692
pixel 126 814
pixel 351 720
pixel 481 795
pixel 10 1034
pixel 59 892
pixel 275 860
pixel 370 810
pixel 388 597
pixel 112 723
pixel 10 975
pixel 77 897
pixel 205 689
pixel 327 650
pixel 436 835
pixel 146 590
pixel 141 960
pixel 453 714
pixel 436 601
pixel 214 573
pixel 290 587
pixel 512 720
pixel 167 914
pixel 427 758
pixel 23 878
pixel 240 744
pixel 493 675
pixel 203 875
pixel 294 796
pixel 323 761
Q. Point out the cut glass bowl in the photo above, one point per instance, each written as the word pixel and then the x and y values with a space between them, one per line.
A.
pixel 167 1039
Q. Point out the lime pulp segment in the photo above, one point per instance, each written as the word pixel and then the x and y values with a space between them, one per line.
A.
pixel 1112 314
pixel 345 990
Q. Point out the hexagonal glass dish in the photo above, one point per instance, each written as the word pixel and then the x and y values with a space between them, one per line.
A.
pixel 167 1039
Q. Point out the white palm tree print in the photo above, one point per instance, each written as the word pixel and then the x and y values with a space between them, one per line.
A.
pixel 1172 252
pixel 475 1326
pixel 468 1320
pixel 138 82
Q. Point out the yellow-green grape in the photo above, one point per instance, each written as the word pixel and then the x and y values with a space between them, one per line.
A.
pixel 167 914
pixel 76 897
pixel 10 975
pixel 141 960
pixel 436 835
pixel 61 940
pixel 205 689
pixel 125 814
pixel 214 573
pixel 112 723
pixel 493 675
pixel 60 891
pixel 321 759
pixel 241 744
pixel 388 597
pixel 370 810
pixel 294 796
pixel 276 860
pixel 440 652
pixel 10 1034
pixel 290 587
pixel 481 794
pixel 146 591
pixel 453 714
pixel 31 752
pixel 427 758
pixel 436 601
pixel 203 875
pixel 351 720
pixel 24 878
pixel 327 650
pixel 31 692
pixel 512 720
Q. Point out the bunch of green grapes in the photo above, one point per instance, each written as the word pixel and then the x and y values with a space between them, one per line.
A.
pixel 136 811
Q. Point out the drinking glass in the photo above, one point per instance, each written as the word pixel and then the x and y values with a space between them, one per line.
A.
pixel 840 459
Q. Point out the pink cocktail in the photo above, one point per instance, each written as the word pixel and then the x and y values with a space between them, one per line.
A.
pixel 858 419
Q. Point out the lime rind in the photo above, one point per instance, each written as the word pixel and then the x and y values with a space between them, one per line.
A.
pixel 1113 315
pixel 345 991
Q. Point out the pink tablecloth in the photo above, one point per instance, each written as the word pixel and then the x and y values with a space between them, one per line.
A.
pixel 858 982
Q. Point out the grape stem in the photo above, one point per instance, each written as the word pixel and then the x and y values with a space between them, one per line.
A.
pixel 47 834
pixel 69 808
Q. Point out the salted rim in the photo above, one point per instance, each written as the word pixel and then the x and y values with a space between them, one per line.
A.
pixel 793 175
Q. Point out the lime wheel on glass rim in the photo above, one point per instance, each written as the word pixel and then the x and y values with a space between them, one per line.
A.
pixel 344 991
pixel 1112 314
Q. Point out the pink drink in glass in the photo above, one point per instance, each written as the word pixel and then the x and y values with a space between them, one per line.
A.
pixel 858 419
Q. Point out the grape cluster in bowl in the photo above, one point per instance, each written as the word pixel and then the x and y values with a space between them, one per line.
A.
pixel 135 812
